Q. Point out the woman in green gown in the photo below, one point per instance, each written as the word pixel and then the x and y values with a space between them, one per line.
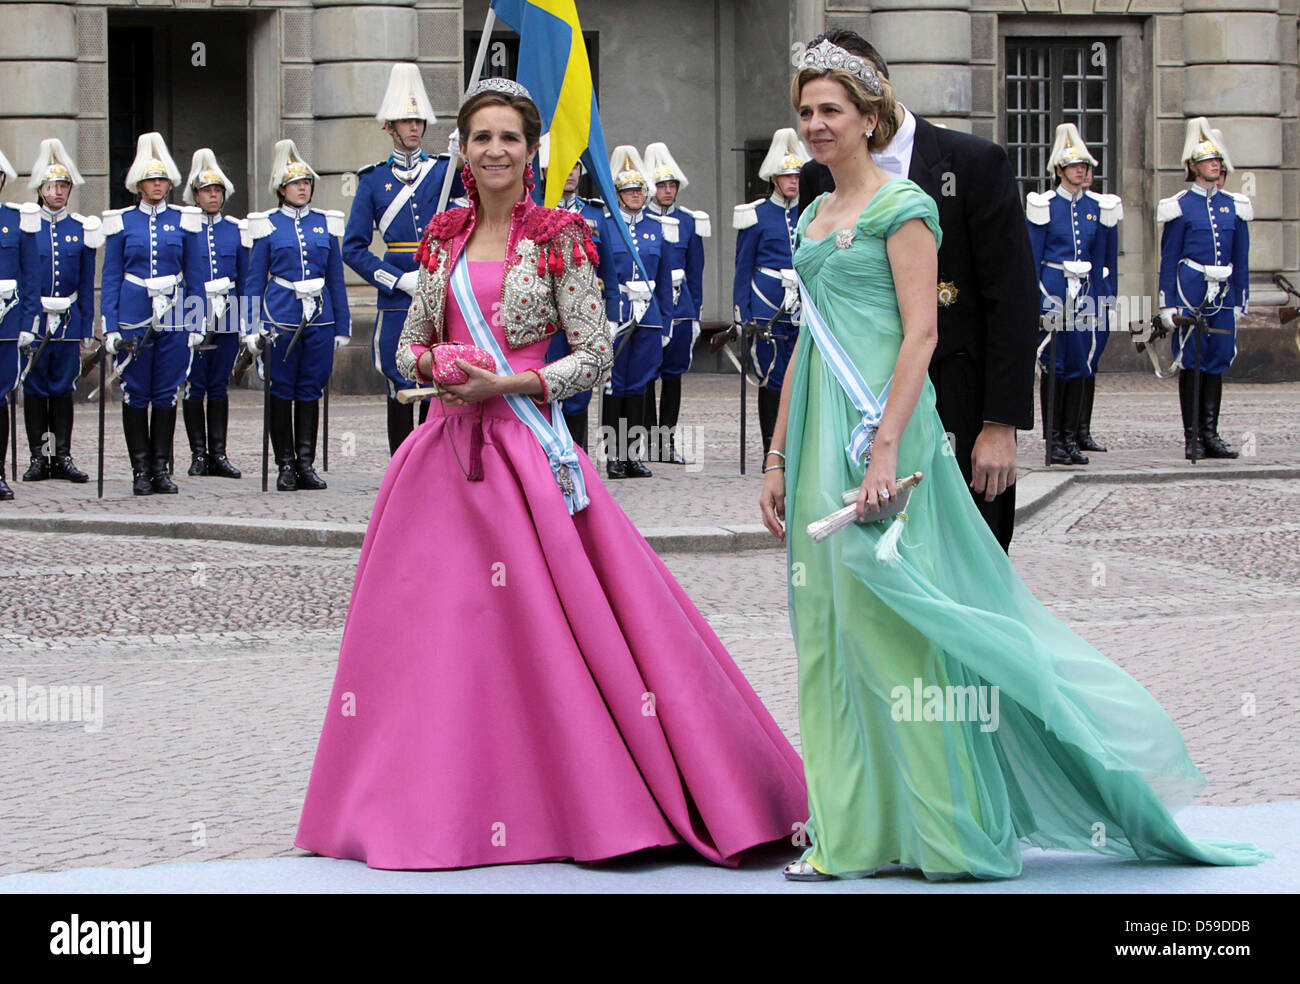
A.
pixel 947 716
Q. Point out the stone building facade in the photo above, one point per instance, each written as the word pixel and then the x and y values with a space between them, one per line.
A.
pixel 708 77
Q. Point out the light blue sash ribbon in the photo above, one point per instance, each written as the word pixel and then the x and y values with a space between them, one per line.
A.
pixel 553 436
pixel 855 387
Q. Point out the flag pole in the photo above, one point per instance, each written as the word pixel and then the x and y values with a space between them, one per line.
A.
pixel 479 58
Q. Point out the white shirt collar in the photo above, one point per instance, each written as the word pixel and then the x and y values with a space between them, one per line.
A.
pixel 779 200
pixel 211 219
pixel 658 209
pixel 1200 189
pixel 896 159
pixel 296 213
pixel 629 218
pixel 569 202
pixel 148 209
pixel 58 216
pixel 1060 190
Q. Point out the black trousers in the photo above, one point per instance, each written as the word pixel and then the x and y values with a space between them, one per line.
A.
pixel 959 395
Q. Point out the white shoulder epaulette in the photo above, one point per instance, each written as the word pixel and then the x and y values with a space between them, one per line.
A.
pixel 670 225
pixel 1111 206
pixel 92 230
pixel 29 216
pixel 191 217
pixel 1038 207
pixel 745 215
pixel 334 220
pixel 245 239
pixel 259 226
pixel 112 221
pixel 1245 207
pixel 703 224
pixel 1169 208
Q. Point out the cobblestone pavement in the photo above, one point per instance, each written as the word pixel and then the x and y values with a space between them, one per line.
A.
pixel 1135 416
pixel 215 662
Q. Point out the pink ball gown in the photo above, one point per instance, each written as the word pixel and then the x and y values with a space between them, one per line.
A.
pixel 517 684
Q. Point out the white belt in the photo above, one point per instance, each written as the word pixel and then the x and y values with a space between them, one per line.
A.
pixel 790 283
pixel 1075 271
pixel 216 291
pixel 639 293
pixel 8 297
pixel 308 291
pixel 1213 274
pixel 54 308
pixel 164 292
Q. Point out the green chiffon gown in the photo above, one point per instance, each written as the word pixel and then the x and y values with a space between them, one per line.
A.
pixel 1077 756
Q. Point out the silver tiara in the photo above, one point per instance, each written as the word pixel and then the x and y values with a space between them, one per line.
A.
pixel 497 84
pixel 832 58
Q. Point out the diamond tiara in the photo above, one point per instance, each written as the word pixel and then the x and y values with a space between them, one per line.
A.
pixel 832 58
pixel 497 84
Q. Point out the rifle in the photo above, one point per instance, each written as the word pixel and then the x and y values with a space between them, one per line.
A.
pixel 1285 315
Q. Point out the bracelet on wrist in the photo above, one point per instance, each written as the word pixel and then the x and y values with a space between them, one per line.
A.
pixel 776 452
pixel 768 468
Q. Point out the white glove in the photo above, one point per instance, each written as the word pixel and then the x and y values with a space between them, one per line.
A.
pixel 1237 313
pixel 25 339
pixel 665 337
pixel 408 282
pixel 194 340
pixel 253 341
pixel 111 341
pixel 1167 317
pixel 88 342
pixel 340 341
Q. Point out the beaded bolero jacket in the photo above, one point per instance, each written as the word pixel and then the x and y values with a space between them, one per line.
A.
pixel 549 285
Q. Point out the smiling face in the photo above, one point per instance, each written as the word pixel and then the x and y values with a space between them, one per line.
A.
pixel 496 149
pixel 831 125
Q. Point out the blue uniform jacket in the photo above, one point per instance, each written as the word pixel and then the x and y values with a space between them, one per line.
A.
pixel 1062 228
pixel 1209 229
pixel 648 232
pixel 18 263
pixel 400 223
pixel 65 248
pixel 688 256
pixel 297 244
pixel 145 241
pixel 218 251
pixel 764 239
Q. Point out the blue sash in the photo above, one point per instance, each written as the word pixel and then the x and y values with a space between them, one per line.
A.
pixel 855 387
pixel 553 436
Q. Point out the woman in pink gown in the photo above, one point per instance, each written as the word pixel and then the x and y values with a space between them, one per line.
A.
pixel 521 679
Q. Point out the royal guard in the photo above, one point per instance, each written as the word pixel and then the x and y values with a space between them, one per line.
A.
pixel 1111 208
pixel 65 248
pixel 215 275
pixel 641 317
pixel 1076 278
pixel 296 274
pixel 688 294
pixel 397 196
pixel 1204 274
pixel 142 304
pixel 600 224
pixel 18 292
pixel 765 291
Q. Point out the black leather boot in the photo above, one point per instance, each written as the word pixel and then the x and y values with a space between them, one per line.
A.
pixel 399 424
pixel 61 414
pixel 282 443
pixel 306 416
pixel 1192 446
pixel 162 428
pixel 670 401
pixel 196 431
pixel 36 417
pixel 649 418
pixel 6 493
pixel 1211 395
pixel 1071 409
pixel 135 428
pixel 636 426
pixel 1083 435
pixel 218 418
pixel 1056 438
pixel 612 411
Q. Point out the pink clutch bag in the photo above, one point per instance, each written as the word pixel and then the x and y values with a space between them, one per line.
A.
pixel 445 370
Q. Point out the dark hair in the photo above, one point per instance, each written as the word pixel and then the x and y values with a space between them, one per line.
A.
pixel 864 99
pixel 526 109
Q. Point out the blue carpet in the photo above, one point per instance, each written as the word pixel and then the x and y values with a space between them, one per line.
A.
pixel 1274 826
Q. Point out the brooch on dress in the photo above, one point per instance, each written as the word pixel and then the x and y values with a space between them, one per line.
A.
pixel 947 293
pixel 844 239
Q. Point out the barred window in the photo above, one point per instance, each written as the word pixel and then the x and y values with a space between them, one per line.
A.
pixel 1050 82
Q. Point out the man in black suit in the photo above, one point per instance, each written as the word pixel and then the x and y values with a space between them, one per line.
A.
pixel 983 365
